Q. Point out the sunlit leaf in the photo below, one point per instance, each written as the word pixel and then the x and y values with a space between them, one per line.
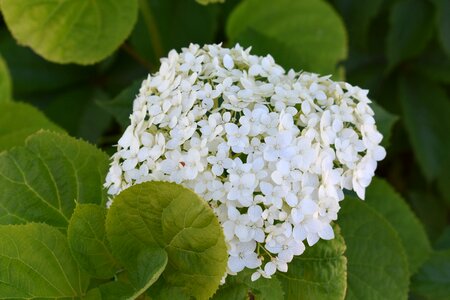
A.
pixel 36 264
pixel 42 181
pixel 161 214
pixel 68 31
pixel 87 240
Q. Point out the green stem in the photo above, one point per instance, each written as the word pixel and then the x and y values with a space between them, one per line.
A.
pixel 265 250
pixel 139 59
pixel 150 21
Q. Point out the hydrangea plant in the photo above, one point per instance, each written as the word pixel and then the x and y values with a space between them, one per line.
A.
pixel 271 151
pixel 229 175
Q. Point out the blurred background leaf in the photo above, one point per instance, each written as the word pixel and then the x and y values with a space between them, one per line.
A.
pixel 433 279
pixel 426 112
pixel 304 35
pixel 166 25
pixel 411 28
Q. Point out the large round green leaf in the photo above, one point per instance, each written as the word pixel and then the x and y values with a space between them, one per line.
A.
pixel 71 31
pixel 5 82
pixel 377 267
pixel 36 264
pixel 388 203
pixel 319 273
pixel 167 215
pixel 18 121
pixel 300 34
pixel 42 181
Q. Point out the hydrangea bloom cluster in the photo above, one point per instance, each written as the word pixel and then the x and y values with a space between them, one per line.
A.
pixel 270 150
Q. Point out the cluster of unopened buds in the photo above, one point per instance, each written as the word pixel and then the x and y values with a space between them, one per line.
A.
pixel 271 151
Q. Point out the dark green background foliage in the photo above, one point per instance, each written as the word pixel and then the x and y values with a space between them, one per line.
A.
pixel 77 72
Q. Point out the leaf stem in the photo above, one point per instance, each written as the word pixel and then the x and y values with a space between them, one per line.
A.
pixel 151 27
pixel 142 61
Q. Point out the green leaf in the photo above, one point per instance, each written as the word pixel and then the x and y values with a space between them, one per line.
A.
pixel 430 209
pixel 426 109
pixel 309 33
pixel 388 203
pixel 18 121
pixel 121 106
pixel 206 2
pixel 409 35
pixel 32 74
pixel 166 25
pixel 236 291
pixel 36 264
pixel 86 120
pixel 433 279
pixel 240 286
pixel 43 181
pixel 68 31
pixel 443 242
pixel 443 23
pixel 434 64
pixel 160 214
pixel 111 291
pixel 385 122
pixel 358 16
pixel 265 289
pixel 319 273
pixel 149 265
pixel 87 240
pixel 376 261
pixel 5 82
pixel 161 290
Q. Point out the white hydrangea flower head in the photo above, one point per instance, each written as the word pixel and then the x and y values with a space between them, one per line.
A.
pixel 271 151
